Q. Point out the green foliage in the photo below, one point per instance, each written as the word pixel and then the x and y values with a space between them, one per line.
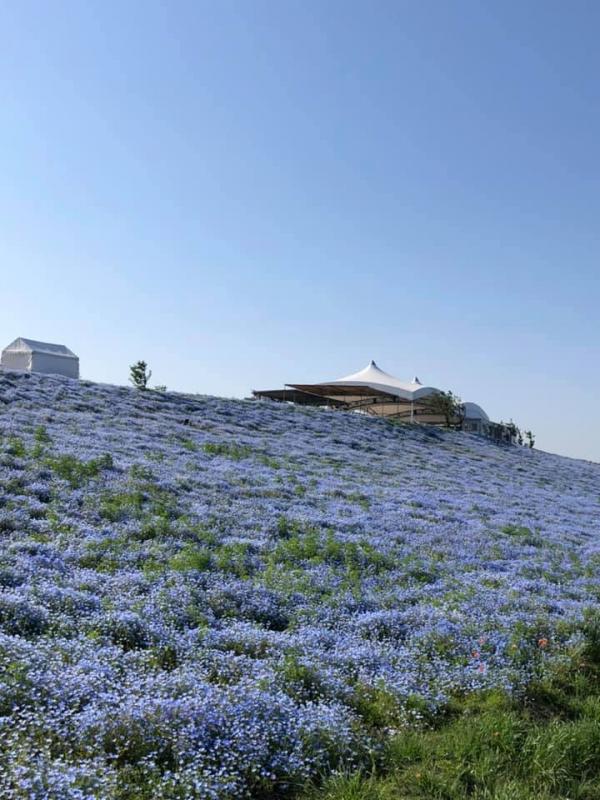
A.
pixel 233 451
pixel 378 708
pixel 298 545
pixel 139 375
pixel 41 439
pixel 526 535
pixel 234 558
pixel 41 435
pixel 190 559
pixel 139 472
pixel 16 447
pixel 300 680
pixel 516 530
pixel 269 461
pixel 541 745
pixel 117 506
pixel 156 526
pixel 349 786
pixel 56 522
pixel 522 438
pixel 361 499
pixel 165 657
pixel 446 405
pixel 154 506
pixel 76 472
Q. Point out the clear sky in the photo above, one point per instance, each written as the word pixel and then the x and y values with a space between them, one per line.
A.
pixel 255 192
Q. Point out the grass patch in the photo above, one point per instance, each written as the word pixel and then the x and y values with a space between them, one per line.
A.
pixel 154 506
pixel 542 745
pixel 117 506
pixel 191 559
pixel 301 681
pixel 234 451
pixel 298 546
pixel 16 447
pixel 235 558
pixel 523 534
pixel 77 473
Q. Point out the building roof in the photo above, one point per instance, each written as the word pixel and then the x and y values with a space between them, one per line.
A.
pixel 370 386
pixel 372 377
pixel 31 346
pixel 474 411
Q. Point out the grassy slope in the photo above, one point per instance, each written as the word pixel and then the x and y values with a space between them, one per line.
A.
pixel 162 555
pixel 542 745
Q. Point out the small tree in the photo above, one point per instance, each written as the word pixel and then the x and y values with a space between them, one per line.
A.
pixel 517 436
pixel 446 405
pixel 140 375
pixel 514 432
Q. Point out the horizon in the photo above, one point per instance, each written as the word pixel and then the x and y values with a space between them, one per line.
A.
pixel 250 194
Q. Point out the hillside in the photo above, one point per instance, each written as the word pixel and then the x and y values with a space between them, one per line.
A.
pixel 204 598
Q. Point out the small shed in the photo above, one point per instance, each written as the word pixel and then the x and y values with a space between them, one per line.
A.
pixel 32 356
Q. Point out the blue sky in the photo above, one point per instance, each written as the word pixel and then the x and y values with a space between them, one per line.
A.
pixel 250 193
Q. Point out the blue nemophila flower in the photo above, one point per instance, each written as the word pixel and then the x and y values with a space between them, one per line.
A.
pixel 199 595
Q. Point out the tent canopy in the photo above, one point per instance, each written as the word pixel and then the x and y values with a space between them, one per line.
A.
pixel 369 380
pixel 373 391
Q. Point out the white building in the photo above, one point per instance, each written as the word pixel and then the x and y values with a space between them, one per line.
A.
pixel 31 356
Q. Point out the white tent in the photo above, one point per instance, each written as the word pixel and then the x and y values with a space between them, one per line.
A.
pixel 31 356
pixel 373 391
pixel 374 378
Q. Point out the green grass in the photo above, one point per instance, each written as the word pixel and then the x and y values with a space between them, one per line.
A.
pixel 156 507
pixel 76 472
pixel 191 559
pixel 526 535
pixel 117 506
pixel 234 451
pixel 234 558
pixel 16 447
pixel 542 745
pixel 298 546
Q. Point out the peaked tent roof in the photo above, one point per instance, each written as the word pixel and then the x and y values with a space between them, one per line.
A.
pixel 375 378
pixel 31 346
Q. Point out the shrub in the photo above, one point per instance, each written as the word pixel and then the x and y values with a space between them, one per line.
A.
pixel 18 617
pixel 126 629
pixel 139 375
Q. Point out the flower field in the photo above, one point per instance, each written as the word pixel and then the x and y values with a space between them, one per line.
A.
pixel 209 598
